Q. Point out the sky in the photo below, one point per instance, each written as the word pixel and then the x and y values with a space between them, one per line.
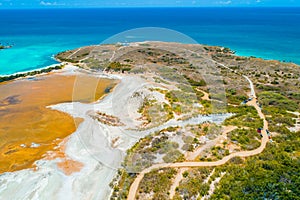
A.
pixel 147 3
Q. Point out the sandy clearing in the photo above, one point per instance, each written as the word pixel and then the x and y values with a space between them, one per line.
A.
pixel 193 155
pixel 176 182
pixel 206 95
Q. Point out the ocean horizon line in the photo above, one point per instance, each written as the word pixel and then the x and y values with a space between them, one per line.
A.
pixel 247 32
pixel 149 7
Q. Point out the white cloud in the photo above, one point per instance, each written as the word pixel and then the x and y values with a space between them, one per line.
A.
pixel 45 3
pixel 225 2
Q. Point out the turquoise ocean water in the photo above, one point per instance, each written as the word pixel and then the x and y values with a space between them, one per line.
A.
pixel 36 35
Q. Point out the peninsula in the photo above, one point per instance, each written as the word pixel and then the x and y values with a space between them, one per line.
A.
pixel 199 120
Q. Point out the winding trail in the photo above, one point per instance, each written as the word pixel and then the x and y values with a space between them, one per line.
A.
pixel 176 182
pixel 193 155
pixel 135 185
pixel 114 53
pixel 251 87
pixel 205 94
pixel 190 156
pixel 74 53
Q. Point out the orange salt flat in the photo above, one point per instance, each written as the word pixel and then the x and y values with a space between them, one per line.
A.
pixel 25 120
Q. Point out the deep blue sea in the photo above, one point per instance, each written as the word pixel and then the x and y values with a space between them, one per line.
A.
pixel 270 33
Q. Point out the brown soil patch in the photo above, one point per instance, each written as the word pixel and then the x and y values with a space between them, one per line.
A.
pixel 67 165
pixel 70 166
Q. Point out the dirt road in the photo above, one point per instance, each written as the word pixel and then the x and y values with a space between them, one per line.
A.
pixel 134 187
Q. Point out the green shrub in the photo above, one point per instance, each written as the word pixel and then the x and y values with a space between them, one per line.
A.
pixel 277 100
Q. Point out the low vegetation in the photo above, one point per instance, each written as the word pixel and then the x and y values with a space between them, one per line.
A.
pixel 233 97
pixel 193 184
pixel 32 73
pixel 273 174
pixel 248 139
pixel 149 149
pixel 121 184
pixel 245 116
pixel 157 182
pixel 118 67
pixel 153 113
pixel 276 100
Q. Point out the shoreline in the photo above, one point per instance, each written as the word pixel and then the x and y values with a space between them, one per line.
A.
pixel 32 73
pixel 36 69
pixel 267 59
pixel 61 63
pixel 24 72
